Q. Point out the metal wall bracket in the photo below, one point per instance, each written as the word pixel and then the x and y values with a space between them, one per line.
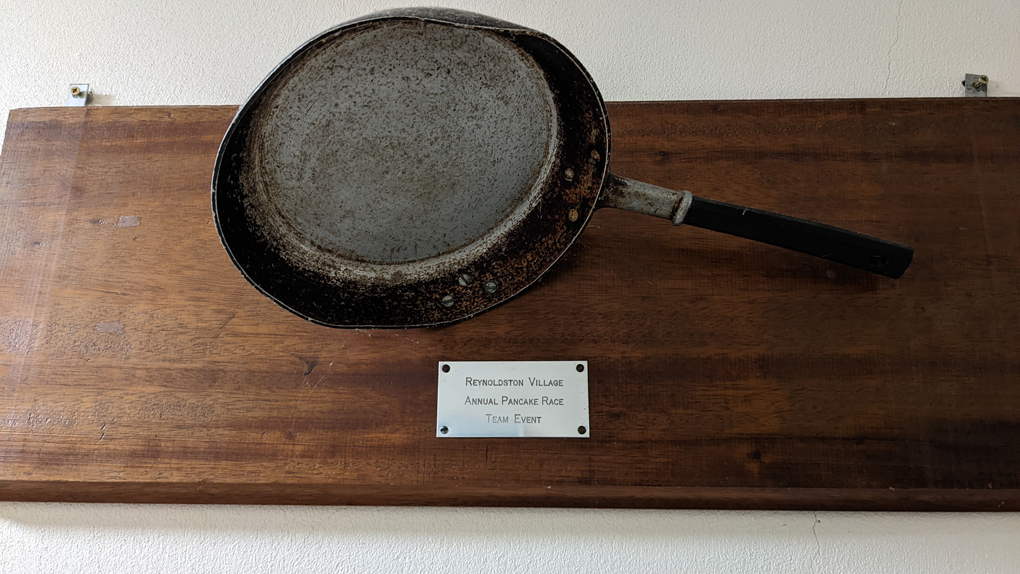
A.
pixel 975 86
pixel 78 95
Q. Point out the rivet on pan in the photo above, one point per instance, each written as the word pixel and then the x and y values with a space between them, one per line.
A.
pixel 568 174
pixel 572 215
pixel 490 287
pixel 465 279
pixel 448 301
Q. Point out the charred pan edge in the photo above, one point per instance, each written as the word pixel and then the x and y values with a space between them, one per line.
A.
pixel 528 264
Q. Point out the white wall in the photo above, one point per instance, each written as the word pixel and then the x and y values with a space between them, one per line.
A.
pixel 188 52
pixel 251 540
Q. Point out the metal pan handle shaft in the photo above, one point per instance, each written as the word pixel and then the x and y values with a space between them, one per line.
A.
pixel 843 246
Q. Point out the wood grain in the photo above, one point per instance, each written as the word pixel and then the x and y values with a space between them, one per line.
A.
pixel 136 364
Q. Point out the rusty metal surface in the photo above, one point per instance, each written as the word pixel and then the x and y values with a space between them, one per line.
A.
pixel 410 169
pixel 639 197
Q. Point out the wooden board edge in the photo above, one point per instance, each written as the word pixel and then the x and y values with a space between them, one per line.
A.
pixel 722 498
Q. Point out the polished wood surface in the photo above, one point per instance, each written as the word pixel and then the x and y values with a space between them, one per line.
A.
pixel 136 364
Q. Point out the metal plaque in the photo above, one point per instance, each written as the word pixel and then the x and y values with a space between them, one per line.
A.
pixel 513 399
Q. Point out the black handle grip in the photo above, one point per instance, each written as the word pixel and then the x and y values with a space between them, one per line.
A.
pixel 847 247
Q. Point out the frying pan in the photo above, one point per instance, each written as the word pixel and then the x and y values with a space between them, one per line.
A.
pixel 419 166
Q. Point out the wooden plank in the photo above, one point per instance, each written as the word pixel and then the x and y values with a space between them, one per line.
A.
pixel 136 364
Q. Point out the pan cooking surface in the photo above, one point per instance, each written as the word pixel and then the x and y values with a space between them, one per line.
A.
pixel 400 145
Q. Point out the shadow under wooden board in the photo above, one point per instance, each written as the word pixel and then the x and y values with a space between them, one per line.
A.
pixel 136 364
